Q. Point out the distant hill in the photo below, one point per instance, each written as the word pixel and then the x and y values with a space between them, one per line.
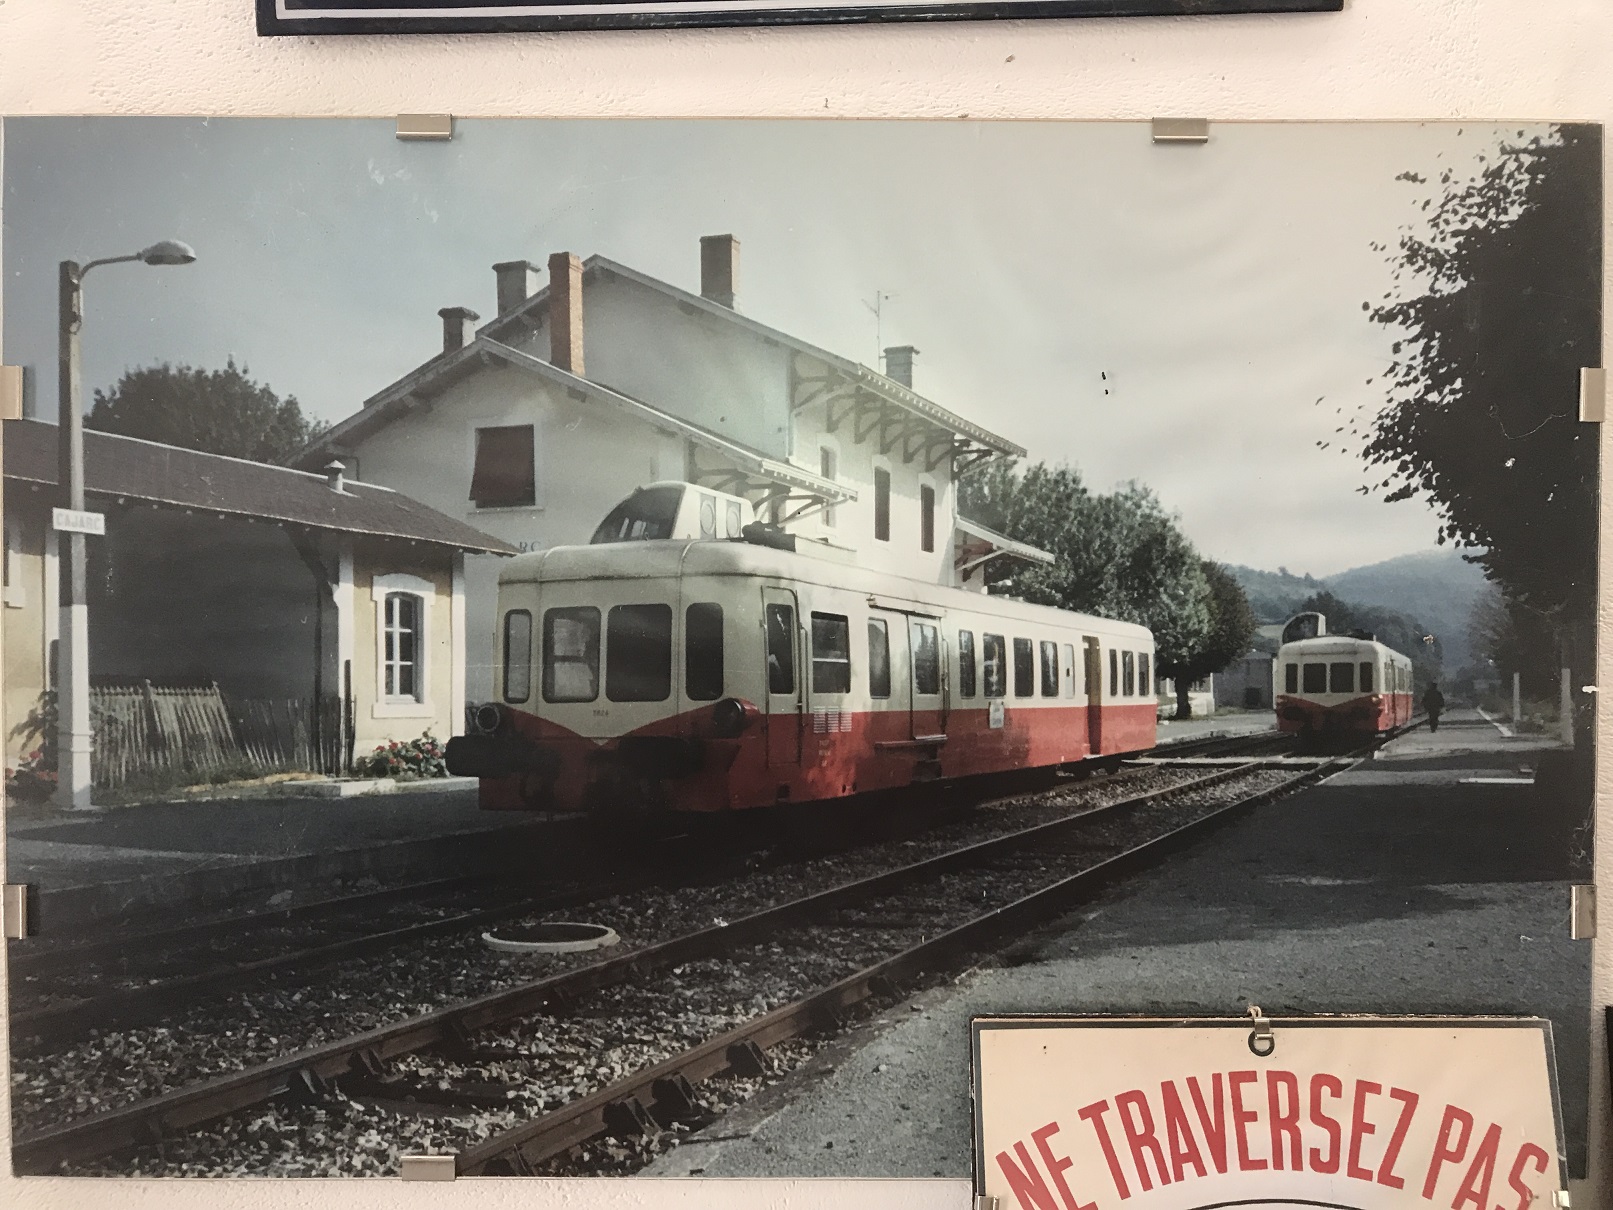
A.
pixel 1437 588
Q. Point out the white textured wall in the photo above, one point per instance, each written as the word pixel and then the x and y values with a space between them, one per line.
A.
pixel 1399 59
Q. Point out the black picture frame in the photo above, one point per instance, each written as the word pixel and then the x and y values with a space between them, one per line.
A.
pixel 306 17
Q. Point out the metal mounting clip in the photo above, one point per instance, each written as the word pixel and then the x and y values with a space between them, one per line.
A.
pixel 1262 1042
pixel 1181 130
pixel 14 908
pixel 10 392
pixel 425 127
pixel 1582 911
pixel 985 1201
pixel 1592 394
pixel 428 1167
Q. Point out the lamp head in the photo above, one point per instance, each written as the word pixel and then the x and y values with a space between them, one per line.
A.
pixel 168 252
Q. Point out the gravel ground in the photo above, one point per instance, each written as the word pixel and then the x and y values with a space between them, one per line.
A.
pixel 689 1004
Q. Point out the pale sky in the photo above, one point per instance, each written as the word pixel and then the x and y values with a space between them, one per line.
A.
pixel 1213 291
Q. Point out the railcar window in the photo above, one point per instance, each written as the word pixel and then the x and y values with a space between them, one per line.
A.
pixel 879 658
pixel 517 655
pixel 1114 673
pixel 1341 678
pixel 1069 670
pixel 780 649
pixel 1366 678
pixel 966 663
pixel 1050 669
pixel 926 658
pixel 1290 678
pixel 1315 678
pixel 648 514
pixel 571 654
pixel 1089 655
pixel 638 653
pixel 1145 674
pixel 703 651
pixel 831 653
pixel 1024 668
pixel 994 655
pixel 1128 672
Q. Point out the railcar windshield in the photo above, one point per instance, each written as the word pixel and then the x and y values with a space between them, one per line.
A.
pixel 638 653
pixel 645 516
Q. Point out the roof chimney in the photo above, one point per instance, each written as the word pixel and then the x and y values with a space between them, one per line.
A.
pixel 517 282
pixel 565 312
pixel 458 328
pixel 335 470
pixel 899 364
pixel 719 268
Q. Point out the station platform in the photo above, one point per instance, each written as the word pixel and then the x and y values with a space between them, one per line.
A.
pixel 1433 879
pixel 1231 722
pixel 107 867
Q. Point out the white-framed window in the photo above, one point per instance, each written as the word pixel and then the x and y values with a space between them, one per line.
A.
pixel 504 466
pixel 403 639
pixel 882 500
pixel 829 468
pixel 927 509
pixel 15 595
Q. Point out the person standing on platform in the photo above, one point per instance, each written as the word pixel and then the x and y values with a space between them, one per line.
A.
pixel 1433 705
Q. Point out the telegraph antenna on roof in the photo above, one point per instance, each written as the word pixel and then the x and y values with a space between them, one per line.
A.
pixel 881 297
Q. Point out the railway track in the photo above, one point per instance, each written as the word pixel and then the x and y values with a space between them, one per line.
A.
pixel 902 923
pixel 125 979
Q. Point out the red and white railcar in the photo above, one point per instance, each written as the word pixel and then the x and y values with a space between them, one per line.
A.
pixel 710 675
pixel 1340 686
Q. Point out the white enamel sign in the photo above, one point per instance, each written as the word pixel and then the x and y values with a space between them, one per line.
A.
pixel 1359 1114
pixel 76 521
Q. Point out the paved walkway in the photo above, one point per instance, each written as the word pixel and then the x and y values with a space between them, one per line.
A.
pixel 91 866
pixel 1421 882
pixel 1233 722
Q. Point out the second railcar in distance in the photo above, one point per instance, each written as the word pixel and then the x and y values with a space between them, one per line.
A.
pixel 677 676
pixel 1341 687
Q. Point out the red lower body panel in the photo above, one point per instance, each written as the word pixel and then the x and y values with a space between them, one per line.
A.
pixel 680 765
pixel 1371 714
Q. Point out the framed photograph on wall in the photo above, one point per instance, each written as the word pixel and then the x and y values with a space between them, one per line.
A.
pixel 502 16
pixel 596 648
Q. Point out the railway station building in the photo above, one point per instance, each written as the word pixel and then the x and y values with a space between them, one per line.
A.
pixel 593 379
pixel 226 597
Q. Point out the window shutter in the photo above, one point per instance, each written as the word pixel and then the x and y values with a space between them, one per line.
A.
pixel 505 474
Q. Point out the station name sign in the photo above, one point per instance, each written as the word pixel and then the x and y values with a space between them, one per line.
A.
pixel 1354 1113
pixel 76 521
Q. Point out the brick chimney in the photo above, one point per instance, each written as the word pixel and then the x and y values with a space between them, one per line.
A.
pixel 899 364
pixel 458 328
pixel 719 269
pixel 565 312
pixel 517 282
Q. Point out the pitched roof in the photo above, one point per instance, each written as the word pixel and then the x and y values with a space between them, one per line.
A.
pixel 120 466
pixel 445 369
pixel 886 388
pixel 989 544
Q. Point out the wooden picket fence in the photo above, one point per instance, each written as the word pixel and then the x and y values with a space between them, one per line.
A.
pixel 190 732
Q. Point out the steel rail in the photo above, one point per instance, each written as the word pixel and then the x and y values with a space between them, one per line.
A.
pixel 151 1120
pixel 144 1002
pixel 637 1098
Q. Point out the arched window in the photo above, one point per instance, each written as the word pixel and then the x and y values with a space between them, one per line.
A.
pixel 402 645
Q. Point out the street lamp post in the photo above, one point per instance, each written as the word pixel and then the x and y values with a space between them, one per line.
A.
pixel 73 736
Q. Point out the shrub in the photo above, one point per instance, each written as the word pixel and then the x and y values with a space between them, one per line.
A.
pixel 406 760
pixel 34 779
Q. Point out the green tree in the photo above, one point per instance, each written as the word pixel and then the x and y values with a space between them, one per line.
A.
pixel 1119 555
pixel 1499 306
pixel 1232 625
pixel 217 411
